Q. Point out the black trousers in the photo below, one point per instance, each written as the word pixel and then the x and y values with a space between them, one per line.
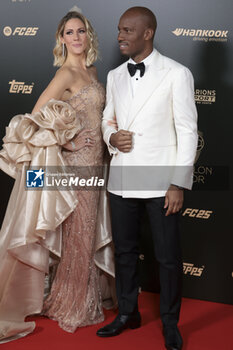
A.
pixel 125 214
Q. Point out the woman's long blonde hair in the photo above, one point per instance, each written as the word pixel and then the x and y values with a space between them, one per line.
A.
pixel 92 47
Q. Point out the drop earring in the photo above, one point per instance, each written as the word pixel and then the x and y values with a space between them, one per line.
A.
pixel 63 49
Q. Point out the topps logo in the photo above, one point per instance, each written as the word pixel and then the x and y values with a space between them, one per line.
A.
pixel 197 213
pixel 20 86
pixel 190 269
pixel 20 31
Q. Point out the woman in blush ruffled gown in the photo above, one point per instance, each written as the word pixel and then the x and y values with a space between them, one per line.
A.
pixel 65 129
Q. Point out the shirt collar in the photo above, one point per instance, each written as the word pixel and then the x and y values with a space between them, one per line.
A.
pixel 146 60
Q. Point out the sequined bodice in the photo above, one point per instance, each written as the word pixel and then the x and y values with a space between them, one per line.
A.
pixel 88 104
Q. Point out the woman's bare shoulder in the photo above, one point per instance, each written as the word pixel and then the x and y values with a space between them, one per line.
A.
pixel 61 82
pixel 64 74
pixel 93 72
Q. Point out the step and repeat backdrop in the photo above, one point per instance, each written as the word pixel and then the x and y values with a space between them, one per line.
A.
pixel 197 34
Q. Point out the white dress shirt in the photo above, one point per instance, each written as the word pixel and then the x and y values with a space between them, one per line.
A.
pixel 136 78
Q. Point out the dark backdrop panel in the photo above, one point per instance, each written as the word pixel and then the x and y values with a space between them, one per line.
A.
pixel 197 34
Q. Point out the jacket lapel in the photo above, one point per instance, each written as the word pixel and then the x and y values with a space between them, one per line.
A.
pixel 124 90
pixel 152 79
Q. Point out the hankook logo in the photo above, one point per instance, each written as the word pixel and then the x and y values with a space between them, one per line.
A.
pixel 202 34
pixel 20 31
pixel 204 96
pixel 20 87
pixel 197 213
pixel 190 269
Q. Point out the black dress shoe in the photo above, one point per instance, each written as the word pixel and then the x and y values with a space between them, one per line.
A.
pixel 120 323
pixel 173 339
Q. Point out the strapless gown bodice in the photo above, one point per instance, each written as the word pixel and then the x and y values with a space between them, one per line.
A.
pixel 88 104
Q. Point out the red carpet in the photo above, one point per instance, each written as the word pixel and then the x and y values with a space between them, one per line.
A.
pixel 203 325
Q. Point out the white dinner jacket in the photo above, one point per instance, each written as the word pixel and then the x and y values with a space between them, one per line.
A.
pixel 162 116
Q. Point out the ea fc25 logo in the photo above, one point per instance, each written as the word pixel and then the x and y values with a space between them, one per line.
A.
pixel 35 178
pixel 197 213
pixel 20 31
pixel 190 269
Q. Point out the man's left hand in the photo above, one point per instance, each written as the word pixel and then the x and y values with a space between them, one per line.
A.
pixel 174 199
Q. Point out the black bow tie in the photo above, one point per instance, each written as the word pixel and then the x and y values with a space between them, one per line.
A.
pixel 133 67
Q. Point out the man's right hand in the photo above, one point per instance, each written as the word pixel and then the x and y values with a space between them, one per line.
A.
pixel 122 140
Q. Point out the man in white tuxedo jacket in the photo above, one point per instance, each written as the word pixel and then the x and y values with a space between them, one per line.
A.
pixel 150 122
